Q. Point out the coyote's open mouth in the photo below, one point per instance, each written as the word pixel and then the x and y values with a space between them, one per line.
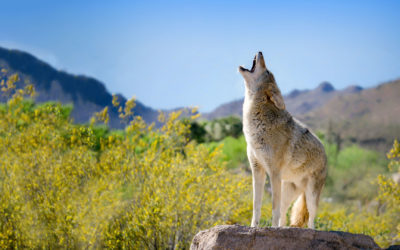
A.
pixel 253 67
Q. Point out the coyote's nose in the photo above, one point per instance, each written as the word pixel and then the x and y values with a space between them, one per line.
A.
pixel 260 60
pixel 259 55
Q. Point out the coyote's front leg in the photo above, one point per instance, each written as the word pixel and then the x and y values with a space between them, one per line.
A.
pixel 259 176
pixel 276 197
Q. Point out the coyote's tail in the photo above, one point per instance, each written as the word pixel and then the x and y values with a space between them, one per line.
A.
pixel 299 214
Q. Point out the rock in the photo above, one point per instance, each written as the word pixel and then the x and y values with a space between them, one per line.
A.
pixel 241 237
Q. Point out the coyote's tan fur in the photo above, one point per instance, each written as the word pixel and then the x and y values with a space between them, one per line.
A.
pixel 281 147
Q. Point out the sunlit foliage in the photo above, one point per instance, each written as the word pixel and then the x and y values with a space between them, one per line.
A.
pixel 64 185
pixel 379 219
pixel 72 186
pixel 234 152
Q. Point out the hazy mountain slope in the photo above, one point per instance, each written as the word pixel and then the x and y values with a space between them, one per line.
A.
pixel 233 108
pixel 87 94
pixel 370 117
pixel 298 102
pixel 301 102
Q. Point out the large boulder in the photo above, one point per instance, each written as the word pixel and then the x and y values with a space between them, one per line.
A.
pixel 241 237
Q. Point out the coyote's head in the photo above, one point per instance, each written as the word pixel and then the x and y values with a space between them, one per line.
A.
pixel 259 80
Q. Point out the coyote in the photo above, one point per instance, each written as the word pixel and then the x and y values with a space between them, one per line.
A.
pixel 283 148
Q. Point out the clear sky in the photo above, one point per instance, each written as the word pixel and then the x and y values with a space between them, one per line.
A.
pixel 171 54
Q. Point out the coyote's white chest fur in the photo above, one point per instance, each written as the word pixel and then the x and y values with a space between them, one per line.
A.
pixel 281 147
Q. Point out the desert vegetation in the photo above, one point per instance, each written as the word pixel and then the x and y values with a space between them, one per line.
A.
pixel 65 185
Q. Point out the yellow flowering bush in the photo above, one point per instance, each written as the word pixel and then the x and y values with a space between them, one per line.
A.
pixel 73 186
pixel 389 194
pixel 380 220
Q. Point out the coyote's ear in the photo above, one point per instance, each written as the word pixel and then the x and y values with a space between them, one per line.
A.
pixel 275 96
pixel 278 101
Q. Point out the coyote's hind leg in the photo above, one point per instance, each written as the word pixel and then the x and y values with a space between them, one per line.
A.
pixel 313 191
pixel 289 193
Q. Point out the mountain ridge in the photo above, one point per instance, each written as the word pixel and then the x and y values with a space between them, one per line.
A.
pixel 87 94
pixel 297 101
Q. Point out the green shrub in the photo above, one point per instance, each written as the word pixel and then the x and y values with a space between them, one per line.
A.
pixel 352 173
pixel 216 130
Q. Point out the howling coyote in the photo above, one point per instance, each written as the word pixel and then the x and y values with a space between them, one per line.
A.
pixel 277 144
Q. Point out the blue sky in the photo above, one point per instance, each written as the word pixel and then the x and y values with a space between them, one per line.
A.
pixel 171 54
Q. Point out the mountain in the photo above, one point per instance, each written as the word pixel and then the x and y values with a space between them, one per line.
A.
pixel 87 94
pixel 233 108
pixel 298 102
pixel 369 117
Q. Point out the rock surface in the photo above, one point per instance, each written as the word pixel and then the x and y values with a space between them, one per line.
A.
pixel 241 237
